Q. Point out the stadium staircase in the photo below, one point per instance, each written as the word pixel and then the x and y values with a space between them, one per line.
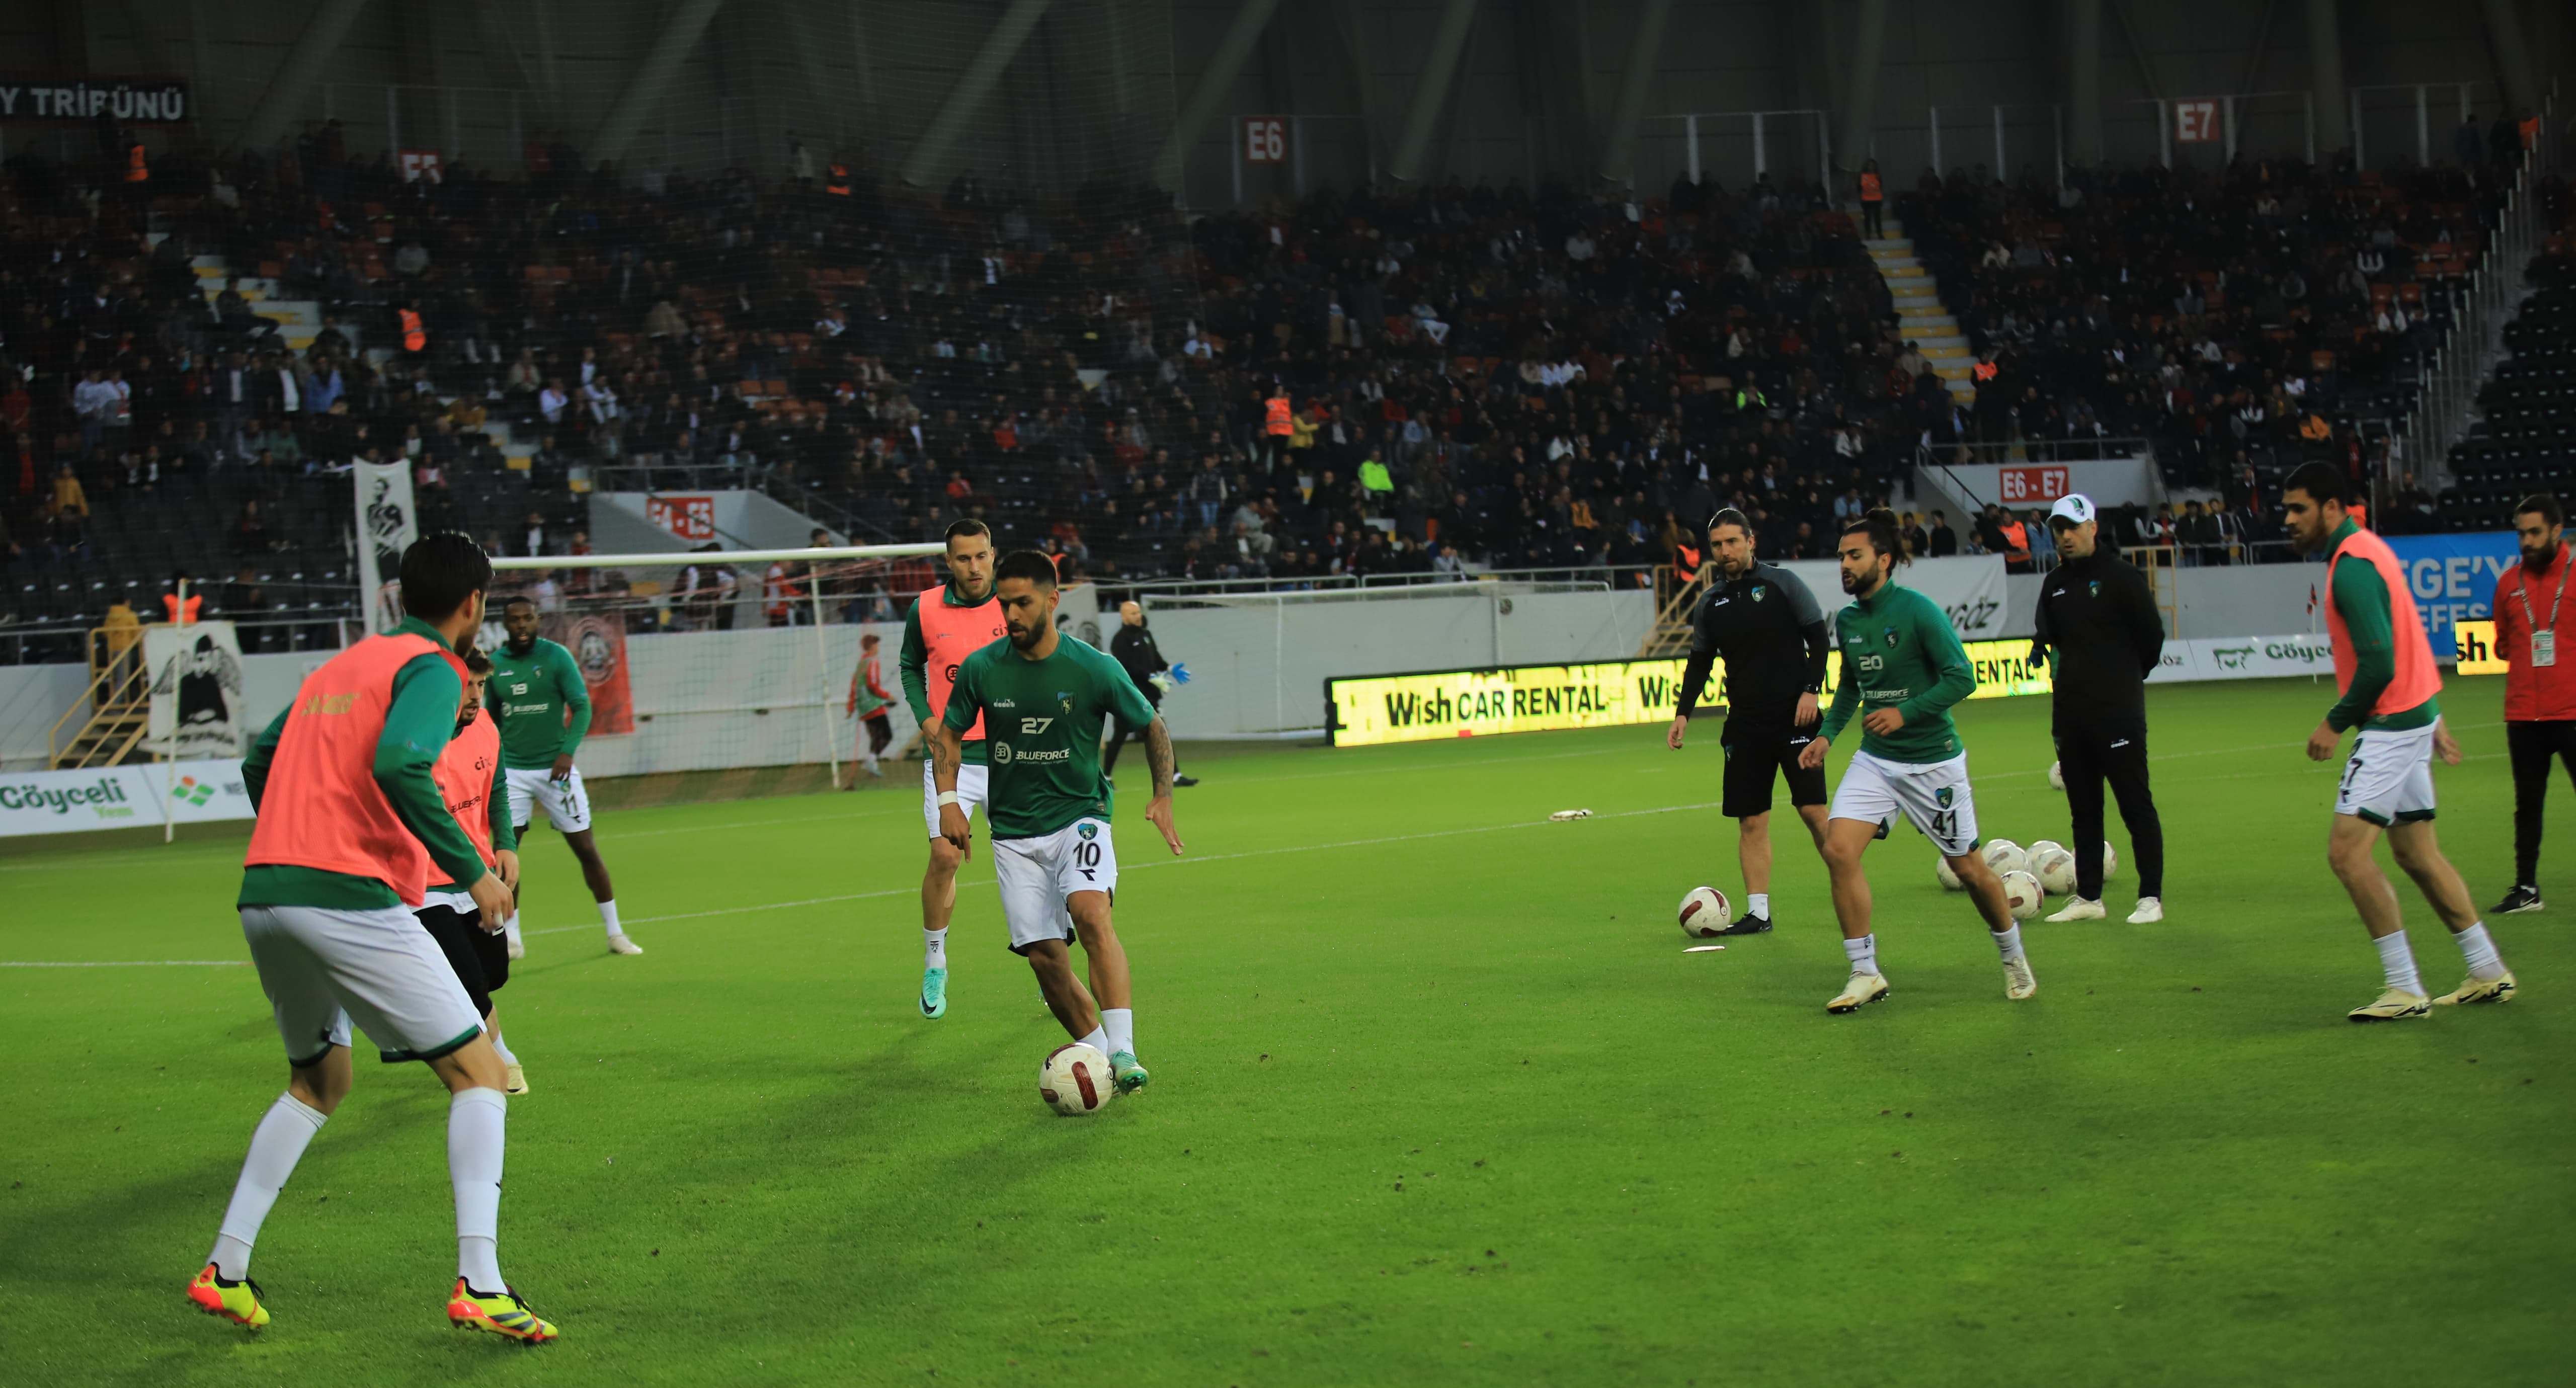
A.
pixel 1928 323
pixel 114 712
pixel 1671 634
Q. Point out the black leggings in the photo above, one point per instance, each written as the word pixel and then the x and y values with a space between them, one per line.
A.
pixel 2086 760
pixel 2531 747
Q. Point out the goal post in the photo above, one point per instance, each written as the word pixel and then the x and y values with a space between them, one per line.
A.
pixel 695 661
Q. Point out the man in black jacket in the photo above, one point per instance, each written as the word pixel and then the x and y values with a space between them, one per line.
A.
pixel 2095 609
pixel 1765 623
pixel 1134 650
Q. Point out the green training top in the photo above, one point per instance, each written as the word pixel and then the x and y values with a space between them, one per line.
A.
pixel 1899 650
pixel 2362 599
pixel 912 665
pixel 529 695
pixel 417 725
pixel 1042 721
pixel 496 806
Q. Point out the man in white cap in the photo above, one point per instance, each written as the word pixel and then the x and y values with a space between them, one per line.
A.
pixel 2099 629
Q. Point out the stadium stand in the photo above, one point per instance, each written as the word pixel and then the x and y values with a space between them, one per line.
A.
pixel 1481 375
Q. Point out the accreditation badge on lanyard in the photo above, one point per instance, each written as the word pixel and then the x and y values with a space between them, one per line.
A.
pixel 2544 636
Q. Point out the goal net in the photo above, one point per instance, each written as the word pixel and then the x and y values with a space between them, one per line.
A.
pixel 715 674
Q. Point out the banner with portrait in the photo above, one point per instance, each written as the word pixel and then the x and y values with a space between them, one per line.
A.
pixel 196 708
pixel 598 645
pixel 387 524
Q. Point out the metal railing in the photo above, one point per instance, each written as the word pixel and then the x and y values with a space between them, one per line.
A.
pixel 650 478
pixel 2072 450
pixel 2467 349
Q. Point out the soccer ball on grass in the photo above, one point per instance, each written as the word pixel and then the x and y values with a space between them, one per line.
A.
pixel 2055 869
pixel 2110 860
pixel 1075 1080
pixel 1704 913
pixel 2004 855
pixel 1949 879
pixel 2022 894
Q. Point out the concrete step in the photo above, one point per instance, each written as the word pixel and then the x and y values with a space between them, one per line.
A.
pixel 1898 264
pixel 1953 370
pixel 1932 353
pixel 1932 327
pixel 1938 340
pixel 1912 282
pixel 1892 246
pixel 1927 301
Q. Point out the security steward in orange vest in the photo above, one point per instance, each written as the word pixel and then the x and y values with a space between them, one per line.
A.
pixel 1873 201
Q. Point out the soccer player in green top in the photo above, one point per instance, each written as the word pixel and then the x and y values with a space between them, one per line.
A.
pixel 2385 672
pixel 542 706
pixel 1041 697
pixel 1901 658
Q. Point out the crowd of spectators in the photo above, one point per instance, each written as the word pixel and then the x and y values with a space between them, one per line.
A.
pixel 1355 383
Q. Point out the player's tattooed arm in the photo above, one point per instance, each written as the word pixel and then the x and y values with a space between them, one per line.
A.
pixel 1158 759
pixel 944 756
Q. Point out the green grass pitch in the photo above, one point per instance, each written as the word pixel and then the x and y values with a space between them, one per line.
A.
pixel 1438 1099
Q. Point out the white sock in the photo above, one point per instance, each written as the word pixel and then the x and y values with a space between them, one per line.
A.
pixel 1759 903
pixel 275 1146
pixel 510 927
pixel 500 1048
pixel 475 1123
pixel 2399 961
pixel 1120 1024
pixel 1098 1040
pixel 2485 964
pixel 608 917
pixel 1863 954
pixel 934 949
pixel 2008 943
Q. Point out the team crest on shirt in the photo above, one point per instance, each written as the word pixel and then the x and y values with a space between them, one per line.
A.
pixel 1087 829
pixel 1941 797
pixel 1891 638
pixel 2096 587
pixel 1757 594
pixel 1064 697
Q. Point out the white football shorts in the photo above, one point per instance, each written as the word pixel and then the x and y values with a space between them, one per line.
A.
pixel 2388 779
pixel 566 804
pixel 972 783
pixel 323 967
pixel 1933 794
pixel 1038 874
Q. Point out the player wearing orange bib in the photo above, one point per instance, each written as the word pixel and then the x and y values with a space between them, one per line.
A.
pixel 2384 668
pixel 351 829
pixel 470 777
pixel 947 624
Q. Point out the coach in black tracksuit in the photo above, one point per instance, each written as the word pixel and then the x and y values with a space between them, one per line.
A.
pixel 2096 610
pixel 1766 625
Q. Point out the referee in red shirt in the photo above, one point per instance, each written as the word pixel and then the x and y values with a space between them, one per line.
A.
pixel 2539 682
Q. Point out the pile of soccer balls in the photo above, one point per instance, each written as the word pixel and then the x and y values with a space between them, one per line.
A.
pixel 2031 875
